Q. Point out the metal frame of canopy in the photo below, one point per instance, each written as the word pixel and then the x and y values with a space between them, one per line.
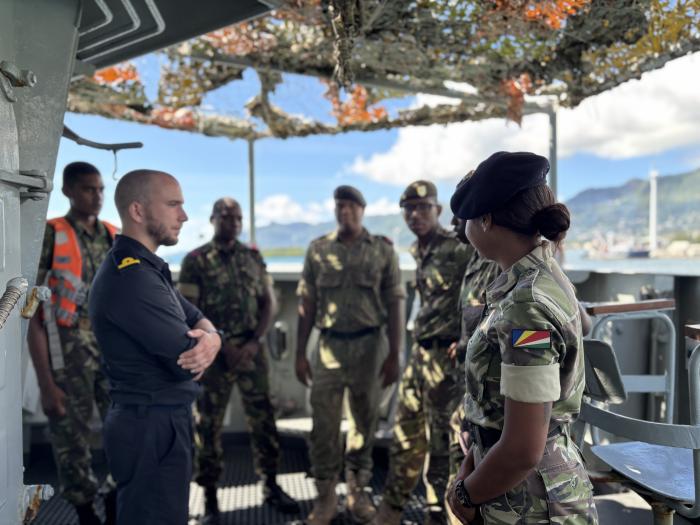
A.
pixel 549 109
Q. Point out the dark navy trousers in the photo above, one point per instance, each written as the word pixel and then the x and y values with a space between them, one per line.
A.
pixel 149 452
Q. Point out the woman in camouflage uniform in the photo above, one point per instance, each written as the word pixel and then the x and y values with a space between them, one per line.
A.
pixel 524 365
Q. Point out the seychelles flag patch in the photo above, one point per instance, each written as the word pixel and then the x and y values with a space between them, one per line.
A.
pixel 538 339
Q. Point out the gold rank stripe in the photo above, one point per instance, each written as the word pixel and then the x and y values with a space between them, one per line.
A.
pixel 128 261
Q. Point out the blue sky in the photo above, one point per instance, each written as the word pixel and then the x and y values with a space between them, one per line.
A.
pixel 607 140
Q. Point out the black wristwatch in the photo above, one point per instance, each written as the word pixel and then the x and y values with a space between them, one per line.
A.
pixel 463 495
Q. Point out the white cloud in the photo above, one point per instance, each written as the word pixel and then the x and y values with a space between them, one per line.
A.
pixel 641 117
pixel 281 208
pixel 383 206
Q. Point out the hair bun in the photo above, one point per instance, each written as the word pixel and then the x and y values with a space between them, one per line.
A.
pixel 552 222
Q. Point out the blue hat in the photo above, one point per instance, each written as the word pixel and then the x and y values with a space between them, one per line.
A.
pixel 495 181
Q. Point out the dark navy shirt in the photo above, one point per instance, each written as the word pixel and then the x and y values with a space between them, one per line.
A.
pixel 141 323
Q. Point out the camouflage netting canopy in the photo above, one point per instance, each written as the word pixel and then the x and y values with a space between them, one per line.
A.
pixel 496 58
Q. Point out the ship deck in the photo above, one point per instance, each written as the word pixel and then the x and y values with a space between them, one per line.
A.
pixel 240 496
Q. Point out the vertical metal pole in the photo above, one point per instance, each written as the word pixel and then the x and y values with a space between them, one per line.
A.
pixel 653 176
pixel 553 180
pixel 251 188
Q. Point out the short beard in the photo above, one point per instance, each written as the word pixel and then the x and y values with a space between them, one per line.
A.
pixel 158 232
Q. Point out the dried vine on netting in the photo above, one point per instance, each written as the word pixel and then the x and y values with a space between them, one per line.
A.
pixel 505 50
pixel 358 106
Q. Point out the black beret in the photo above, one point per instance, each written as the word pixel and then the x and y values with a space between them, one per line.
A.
pixel 418 190
pixel 495 181
pixel 350 194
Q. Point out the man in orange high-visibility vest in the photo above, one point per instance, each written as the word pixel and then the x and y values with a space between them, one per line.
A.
pixel 62 345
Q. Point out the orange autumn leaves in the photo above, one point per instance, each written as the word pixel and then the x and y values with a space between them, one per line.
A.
pixel 119 74
pixel 551 12
pixel 122 74
pixel 357 108
pixel 515 90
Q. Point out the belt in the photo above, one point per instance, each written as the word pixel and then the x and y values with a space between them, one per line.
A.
pixel 349 335
pixel 142 410
pixel 431 342
pixel 488 437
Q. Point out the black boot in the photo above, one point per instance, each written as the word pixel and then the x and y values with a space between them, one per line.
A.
pixel 211 507
pixel 86 514
pixel 111 507
pixel 278 498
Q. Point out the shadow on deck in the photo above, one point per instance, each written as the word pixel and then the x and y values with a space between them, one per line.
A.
pixel 241 501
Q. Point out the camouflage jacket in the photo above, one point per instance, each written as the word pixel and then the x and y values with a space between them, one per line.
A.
pixel 529 346
pixel 439 267
pixel 479 274
pixel 226 284
pixel 351 285
pixel 93 250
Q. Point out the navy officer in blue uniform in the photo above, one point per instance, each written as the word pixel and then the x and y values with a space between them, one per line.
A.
pixel 155 345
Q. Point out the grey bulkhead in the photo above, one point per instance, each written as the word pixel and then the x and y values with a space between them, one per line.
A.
pixel 38 36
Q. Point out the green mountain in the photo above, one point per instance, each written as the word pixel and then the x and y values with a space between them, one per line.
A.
pixel 624 209
pixel 301 234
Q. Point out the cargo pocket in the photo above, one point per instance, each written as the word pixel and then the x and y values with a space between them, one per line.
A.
pixel 501 509
pixel 368 277
pixel 569 493
pixel 329 278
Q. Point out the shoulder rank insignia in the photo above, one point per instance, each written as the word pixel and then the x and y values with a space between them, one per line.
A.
pixel 386 240
pixel 128 261
pixel 538 339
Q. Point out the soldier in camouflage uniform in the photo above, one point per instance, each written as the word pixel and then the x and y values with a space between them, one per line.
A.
pixel 431 386
pixel 524 363
pixel 479 274
pixel 229 283
pixel 68 367
pixel 350 289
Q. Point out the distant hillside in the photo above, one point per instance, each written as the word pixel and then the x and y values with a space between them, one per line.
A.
pixel 301 234
pixel 625 209
pixel 621 209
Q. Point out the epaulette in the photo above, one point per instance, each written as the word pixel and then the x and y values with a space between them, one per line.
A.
pixel 126 262
pixel 386 239
pixel 253 247
pixel 201 250
pixel 524 290
pixel 324 238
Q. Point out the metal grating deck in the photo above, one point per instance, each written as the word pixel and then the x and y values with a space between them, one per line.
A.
pixel 240 496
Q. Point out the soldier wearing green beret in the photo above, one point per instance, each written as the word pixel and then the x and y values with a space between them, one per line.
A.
pixel 524 363
pixel 431 385
pixel 229 282
pixel 351 290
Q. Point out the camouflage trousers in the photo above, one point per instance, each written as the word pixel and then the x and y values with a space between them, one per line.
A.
pixel 430 390
pixel 84 385
pixel 456 453
pixel 557 491
pixel 254 387
pixel 352 365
